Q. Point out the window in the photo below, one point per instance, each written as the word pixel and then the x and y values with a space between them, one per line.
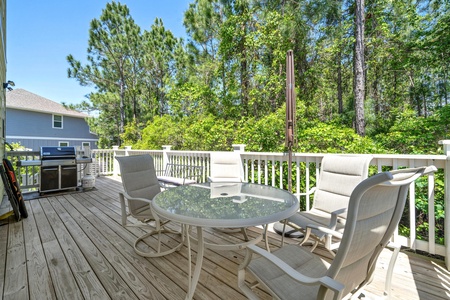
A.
pixel 63 144
pixel 86 144
pixel 57 121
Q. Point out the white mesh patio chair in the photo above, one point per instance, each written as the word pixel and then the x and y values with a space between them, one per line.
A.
pixel 140 186
pixel 226 167
pixel 339 175
pixel 293 272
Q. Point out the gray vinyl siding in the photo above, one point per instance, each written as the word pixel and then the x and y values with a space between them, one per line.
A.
pixel 35 129
pixel 36 144
pixel 2 79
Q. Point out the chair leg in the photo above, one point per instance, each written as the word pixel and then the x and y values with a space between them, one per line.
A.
pixel 390 270
pixel 159 253
pixel 241 278
pixel 306 236
pixel 123 209
pixel 388 283
pixel 244 232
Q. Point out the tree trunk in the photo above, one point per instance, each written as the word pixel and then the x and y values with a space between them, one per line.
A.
pixel 244 74
pixel 339 83
pixel 122 108
pixel 375 92
pixel 359 86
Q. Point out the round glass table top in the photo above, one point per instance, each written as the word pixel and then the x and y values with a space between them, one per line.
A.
pixel 225 204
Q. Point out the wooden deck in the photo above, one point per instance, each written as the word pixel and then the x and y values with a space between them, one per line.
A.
pixel 72 246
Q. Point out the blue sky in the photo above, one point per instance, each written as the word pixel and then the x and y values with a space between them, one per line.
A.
pixel 40 35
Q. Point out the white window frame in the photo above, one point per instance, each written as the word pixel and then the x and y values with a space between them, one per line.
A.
pixel 84 144
pixel 66 144
pixel 53 121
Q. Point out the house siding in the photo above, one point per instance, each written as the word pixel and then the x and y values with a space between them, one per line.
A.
pixel 35 129
pixel 2 79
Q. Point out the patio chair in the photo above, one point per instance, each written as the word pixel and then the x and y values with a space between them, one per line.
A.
pixel 339 175
pixel 180 174
pixel 292 272
pixel 140 185
pixel 226 167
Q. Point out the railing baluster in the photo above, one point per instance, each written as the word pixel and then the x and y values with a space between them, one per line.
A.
pixel 281 175
pixel 259 171
pixel 266 171
pixel 307 186
pixel 273 172
pixel 412 216
pixel 431 216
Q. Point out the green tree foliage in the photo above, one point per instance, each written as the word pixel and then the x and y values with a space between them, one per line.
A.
pixel 228 77
pixel 161 131
pixel 263 134
pixel 412 135
pixel 113 40
pixel 130 70
pixel 332 138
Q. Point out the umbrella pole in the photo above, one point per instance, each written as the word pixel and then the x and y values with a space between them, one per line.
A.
pixel 279 227
pixel 290 169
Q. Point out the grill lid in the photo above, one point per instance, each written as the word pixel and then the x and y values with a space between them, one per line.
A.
pixel 57 152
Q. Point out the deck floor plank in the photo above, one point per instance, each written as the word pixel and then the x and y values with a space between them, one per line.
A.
pixel 39 280
pixel 16 281
pixel 89 285
pixel 73 246
pixel 122 240
pixel 121 279
pixel 63 280
pixel 3 253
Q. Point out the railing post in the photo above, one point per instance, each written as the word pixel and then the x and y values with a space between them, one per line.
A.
pixel 244 170
pixel 127 148
pixel 115 162
pixel 166 149
pixel 446 149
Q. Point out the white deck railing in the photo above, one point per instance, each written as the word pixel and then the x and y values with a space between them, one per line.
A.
pixel 271 169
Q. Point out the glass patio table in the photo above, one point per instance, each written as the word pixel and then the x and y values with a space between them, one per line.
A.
pixel 222 205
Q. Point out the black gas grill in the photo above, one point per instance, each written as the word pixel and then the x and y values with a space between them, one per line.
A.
pixel 58 169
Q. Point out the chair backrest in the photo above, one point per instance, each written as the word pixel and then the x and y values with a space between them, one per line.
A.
pixel 138 179
pixel 226 167
pixel 375 208
pixel 339 175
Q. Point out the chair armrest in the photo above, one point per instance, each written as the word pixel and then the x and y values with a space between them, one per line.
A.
pixel 326 281
pixel 311 191
pixel 334 217
pixel 128 197
pixel 325 230
pixel 122 197
pixel 182 172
